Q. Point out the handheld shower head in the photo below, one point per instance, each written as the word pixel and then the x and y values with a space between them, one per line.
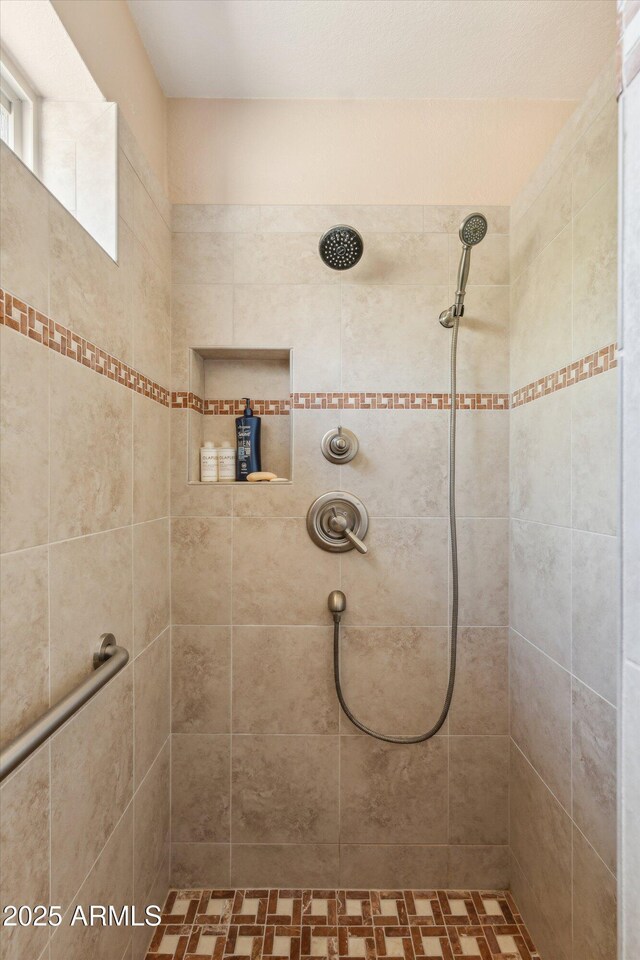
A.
pixel 473 229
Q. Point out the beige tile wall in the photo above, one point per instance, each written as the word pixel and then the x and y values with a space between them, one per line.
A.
pixel 564 549
pixel 271 785
pixel 85 549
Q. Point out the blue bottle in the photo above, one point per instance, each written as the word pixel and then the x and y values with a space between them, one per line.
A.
pixel 248 458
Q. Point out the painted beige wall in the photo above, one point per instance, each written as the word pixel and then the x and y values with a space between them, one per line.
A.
pixel 100 27
pixel 357 151
pixel 312 151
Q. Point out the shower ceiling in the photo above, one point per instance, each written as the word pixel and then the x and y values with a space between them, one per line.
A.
pixel 531 49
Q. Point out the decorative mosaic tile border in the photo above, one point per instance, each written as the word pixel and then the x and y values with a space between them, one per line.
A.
pixel 398 401
pixel 235 408
pixel 589 366
pixel 31 323
pixel 340 925
pixel 182 400
pixel 583 369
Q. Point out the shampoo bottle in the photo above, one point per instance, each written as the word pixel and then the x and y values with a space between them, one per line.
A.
pixel 248 440
pixel 226 463
pixel 208 463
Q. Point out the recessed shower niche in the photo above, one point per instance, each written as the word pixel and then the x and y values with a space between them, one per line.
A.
pixel 219 379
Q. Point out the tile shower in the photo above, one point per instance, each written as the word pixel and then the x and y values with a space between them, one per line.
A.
pixel 232 769
pixel 246 577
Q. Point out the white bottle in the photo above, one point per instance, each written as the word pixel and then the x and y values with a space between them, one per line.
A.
pixel 208 463
pixel 226 463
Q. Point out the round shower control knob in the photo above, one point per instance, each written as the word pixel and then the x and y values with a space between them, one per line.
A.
pixel 339 445
pixel 338 522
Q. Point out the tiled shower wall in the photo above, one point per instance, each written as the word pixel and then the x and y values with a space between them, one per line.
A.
pixel 85 541
pixel 564 550
pixel 270 785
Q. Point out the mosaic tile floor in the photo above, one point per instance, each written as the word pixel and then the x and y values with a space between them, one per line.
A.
pixel 336 924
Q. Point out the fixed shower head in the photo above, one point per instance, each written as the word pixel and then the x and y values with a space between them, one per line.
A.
pixel 473 229
pixel 341 247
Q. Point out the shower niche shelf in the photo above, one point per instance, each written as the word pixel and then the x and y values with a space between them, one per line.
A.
pixel 220 377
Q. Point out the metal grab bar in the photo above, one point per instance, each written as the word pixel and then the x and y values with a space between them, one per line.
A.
pixel 107 661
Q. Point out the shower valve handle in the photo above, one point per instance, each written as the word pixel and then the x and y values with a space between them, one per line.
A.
pixel 356 541
pixel 338 524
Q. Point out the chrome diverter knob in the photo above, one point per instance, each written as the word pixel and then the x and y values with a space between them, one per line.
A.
pixel 339 445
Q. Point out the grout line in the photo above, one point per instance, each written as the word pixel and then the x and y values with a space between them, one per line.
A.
pixel 81 536
pixel 359 626
pixel 564 669
pixel 264 734
pixel 564 810
pixel 534 895
pixel 558 526
pixel 74 897
pixel 97 533
pixel 334 843
pixel 542 780
pixel 588 842
pixel 372 516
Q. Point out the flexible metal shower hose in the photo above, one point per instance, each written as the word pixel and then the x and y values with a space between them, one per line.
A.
pixel 453 636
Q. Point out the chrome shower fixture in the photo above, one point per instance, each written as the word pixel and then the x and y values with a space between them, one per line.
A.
pixel 341 247
pixel 339 445
pixel 338 522
pixel 472 230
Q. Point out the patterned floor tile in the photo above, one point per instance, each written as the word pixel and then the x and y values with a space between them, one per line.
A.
pixel 432 944
pixel 294 924
pixel 469 942
pixel 320 907
pixel 206 943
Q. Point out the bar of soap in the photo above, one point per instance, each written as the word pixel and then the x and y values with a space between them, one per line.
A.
pixel 278 480
pixel 260 475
